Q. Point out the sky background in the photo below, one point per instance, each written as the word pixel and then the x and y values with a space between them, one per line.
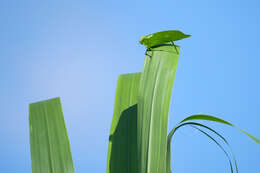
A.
pixel 77 49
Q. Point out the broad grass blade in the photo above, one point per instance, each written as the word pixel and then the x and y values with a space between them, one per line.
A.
pixel 122 148
pixel 153 106
pixel 50 149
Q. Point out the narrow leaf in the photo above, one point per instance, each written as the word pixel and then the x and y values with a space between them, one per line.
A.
pixel 122 148
pixel 220 146
pixel 219 120
pixel 193 124
pixel 50 149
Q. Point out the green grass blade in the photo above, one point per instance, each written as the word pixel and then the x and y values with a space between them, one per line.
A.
pixel 122 148
pixel 153 106
pixel 220 146
pixel 233 155
pixel 207 118
pixel 219 120
pixel 193 124
pixel 50 149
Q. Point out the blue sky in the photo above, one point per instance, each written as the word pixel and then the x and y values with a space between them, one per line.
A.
pixel 76 50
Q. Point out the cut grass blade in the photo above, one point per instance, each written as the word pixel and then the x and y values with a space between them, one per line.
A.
pixel 153 106
pixel 50 149
pixel 122 148
pixel 194 124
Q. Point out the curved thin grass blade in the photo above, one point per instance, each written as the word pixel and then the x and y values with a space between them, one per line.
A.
pixel 230 163
pixel 219 120
pixel 168 163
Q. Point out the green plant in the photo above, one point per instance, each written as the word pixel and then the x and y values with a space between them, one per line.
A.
pixel 150 99
pixel 138 141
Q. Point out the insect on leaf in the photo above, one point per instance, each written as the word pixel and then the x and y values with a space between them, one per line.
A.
pixel 162 37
